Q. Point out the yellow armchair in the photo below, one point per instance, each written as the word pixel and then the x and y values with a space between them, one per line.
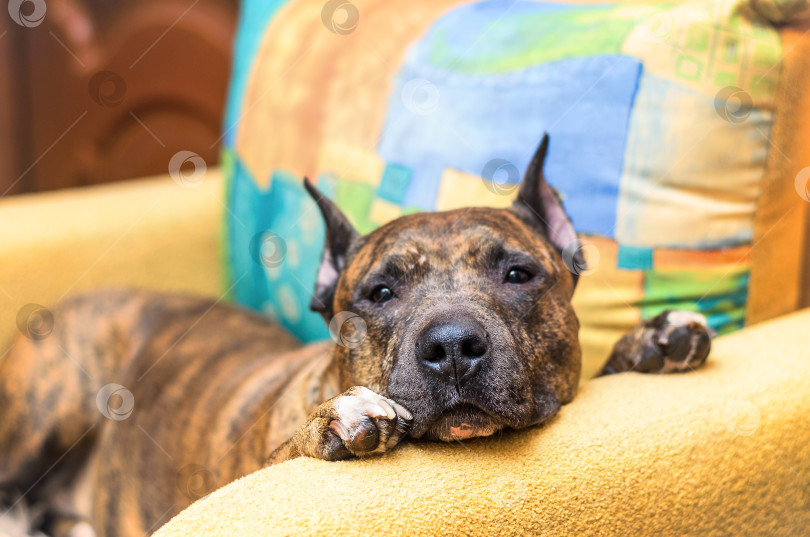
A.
pixel 721 452
pixel 724 451
pixel 150 233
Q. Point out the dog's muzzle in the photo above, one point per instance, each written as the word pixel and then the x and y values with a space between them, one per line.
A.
pixel 453 348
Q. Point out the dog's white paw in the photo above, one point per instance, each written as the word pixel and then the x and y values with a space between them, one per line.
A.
pixel 367 422
pixel 685 341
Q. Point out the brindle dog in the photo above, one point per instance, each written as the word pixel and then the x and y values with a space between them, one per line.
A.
pixel 469 330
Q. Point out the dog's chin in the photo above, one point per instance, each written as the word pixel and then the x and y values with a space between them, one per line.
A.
pixel 462 423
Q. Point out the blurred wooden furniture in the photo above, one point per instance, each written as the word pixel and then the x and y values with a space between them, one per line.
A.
pixel 102 91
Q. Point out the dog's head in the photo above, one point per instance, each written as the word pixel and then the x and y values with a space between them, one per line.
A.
pixel 466 314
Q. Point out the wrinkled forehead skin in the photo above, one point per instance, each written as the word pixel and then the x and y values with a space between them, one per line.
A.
pixel 461 239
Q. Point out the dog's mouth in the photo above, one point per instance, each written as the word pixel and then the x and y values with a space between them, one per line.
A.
pixel 463 420
pixel 461 423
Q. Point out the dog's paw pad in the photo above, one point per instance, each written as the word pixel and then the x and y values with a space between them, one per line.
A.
pixel 368 422
pixel 684 340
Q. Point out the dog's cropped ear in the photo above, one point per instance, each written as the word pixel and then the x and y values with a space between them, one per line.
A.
pixel 540 203
pixel 339 236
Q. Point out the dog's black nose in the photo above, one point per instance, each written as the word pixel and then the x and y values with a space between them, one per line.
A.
pixel 454 347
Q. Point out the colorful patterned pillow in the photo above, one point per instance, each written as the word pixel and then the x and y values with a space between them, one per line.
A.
pixel 659 117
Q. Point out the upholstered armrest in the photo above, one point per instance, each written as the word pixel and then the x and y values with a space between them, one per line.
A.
pixel 721 451
pixel 151 232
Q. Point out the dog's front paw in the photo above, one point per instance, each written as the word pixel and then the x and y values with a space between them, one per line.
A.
pixel 671 342
pixel 684 339
pixel 358 422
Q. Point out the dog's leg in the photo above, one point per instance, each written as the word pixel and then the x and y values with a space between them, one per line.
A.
pixel 673 341
pixel 357 422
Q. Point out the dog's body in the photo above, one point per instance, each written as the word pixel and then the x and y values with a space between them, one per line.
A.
pixel 467 329
pixel 208 404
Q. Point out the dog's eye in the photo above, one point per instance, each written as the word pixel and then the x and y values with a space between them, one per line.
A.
pixel 381 294
pixel 518 275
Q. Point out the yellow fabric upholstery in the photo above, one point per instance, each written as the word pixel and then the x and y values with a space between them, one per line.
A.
pixel 723 451
pixel 150 233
